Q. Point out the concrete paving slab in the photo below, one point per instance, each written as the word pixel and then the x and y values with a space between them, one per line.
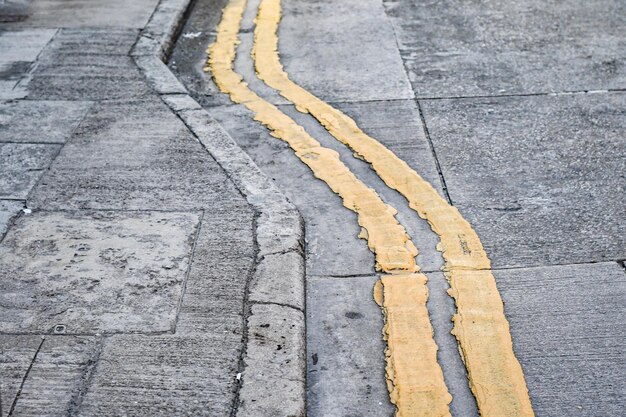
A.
pixel 134 156
pixel 21 166
pixel 222 265
pixel 165 375
pixel 58 375
pixel 278 280
pixel 345 363
pixel 16 355
pixel 40 121
pixel 453 48
pixel 323 44
pixel 8 210
pixel 88 65
pixel 23 45
pixel 568 330
pixel 11 73
pixel 272 331
pixel 540 178
pixel 95 272
pixel 89 13
pixel 20 49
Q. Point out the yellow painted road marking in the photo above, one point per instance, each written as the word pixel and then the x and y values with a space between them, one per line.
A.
pixel 496 377
pixel 395 253
pixel 385 236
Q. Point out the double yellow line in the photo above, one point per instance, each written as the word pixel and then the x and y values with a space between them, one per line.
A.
pixel 414 377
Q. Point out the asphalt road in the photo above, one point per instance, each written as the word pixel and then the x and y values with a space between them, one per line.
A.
pixel 515 113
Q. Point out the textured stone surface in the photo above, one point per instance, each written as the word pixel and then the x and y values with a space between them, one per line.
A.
pixel 21 166
pixel 323 44
pixel 23 45
pixel 16 355
pixel 81 64
pixel 78 272
pixel 135 156
pixel 40 121
pixel 273 376
pixel 192 372
pixel 59 373
pixel 87 13
pixel 159 76
pixel 8 210
pixel 164 375
pixel 345 349
pixel 278 279
pixel 542 179
pixel 568 330
pixel 453 48
pixel 19 49
pixel 221 267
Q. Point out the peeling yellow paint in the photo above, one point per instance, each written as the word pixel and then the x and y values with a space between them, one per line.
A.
pixel 414 378
pixel 395 253
pixel 385 236
pixel 496 378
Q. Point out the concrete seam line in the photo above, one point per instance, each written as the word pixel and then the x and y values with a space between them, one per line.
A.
pixel 279 228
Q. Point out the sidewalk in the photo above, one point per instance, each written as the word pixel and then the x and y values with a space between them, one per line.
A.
pixel 127 251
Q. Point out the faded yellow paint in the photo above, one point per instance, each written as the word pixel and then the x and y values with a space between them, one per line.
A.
pixel 496 378
pixel 395 253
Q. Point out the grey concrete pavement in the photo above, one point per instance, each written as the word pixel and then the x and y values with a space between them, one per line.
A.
pixel 539 173
pixel 128 254
pixel 149 267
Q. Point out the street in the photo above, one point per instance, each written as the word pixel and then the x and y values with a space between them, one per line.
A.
pixel 330 208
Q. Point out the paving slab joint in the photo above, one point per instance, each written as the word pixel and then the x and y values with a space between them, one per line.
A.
pixel 273 377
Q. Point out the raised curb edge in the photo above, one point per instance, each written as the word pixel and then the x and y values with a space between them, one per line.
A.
pixel 273 379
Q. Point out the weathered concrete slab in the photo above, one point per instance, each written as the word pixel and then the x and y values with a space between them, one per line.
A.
pixel 278 279
pixel 454 48
pixel 273 347
pixel 58 375
pixel 345 362
pixel 135 156
pixel 568 332
pixel 21 166
pixel 540 178
pixel 8 210
pixel 23 45
pixel 94 272
pixel 87 13
pixel 40 121
pixel 221 267
pixel 88 65
pixel 16 355
pixel 323 44
pixel 20 48
pixel 179 375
